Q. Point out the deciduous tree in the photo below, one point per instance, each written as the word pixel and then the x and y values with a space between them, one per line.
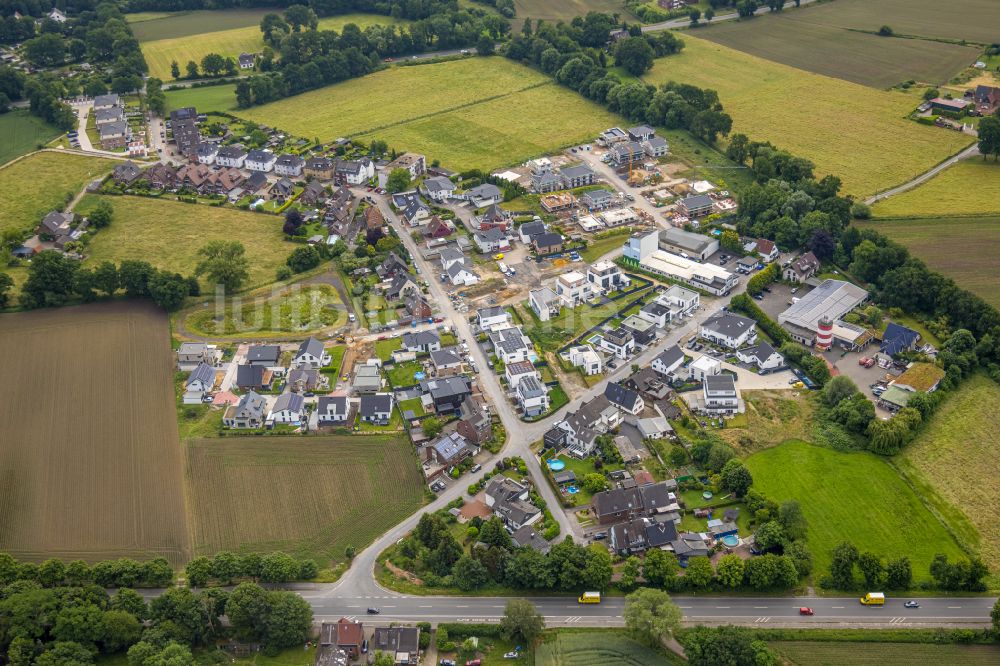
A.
pixel 651 616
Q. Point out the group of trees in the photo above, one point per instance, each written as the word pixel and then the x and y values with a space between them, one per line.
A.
pixel 897 574
pixel 212 65
pixel 123 572
pixel 300 57
pixel 227 567
pixel 574 53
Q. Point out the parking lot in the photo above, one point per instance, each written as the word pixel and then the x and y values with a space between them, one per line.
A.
pixel 846 363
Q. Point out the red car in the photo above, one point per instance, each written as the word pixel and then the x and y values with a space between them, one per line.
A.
pixel 806 611
pixel 866 362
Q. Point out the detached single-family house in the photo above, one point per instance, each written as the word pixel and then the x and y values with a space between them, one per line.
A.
pixel 303 379
pixel 767 250
pixel 446 394
pixel 437 188
pixel 511 344
pixel 585 358
pixel 484 195
pixel 449 256
pixel 702 367
pixel 729 330
pixel 458 274
pixel 656 146
pixel 574 289
pixel 597 200
pixel 655 313
pixel 401 642
pixel 515 372
pixel 192 353
pixel 376 408
pixel 761 355
pixel 199 382
pixel 367 378
pixel 127 173
pixel 527 231
pixel 311 354
pixel 669 362
pixel 475 423
pixel 491 240
pixel 495 217
pixel 247 413
pixel 332 410
pixel 114 134
pixel 259 160
pixel 547 243
pixel 720 394
pixel 619 342
pixel 446 359
pixel 625 399
pixel 897 338
pixel 579 175
pixel 253 377
pixel 345 635
pixel 451 449
pixel 422 341
pixel 606 276
pixel 802 268
pixel 681 301
pixel 289 408
pixel 289 165
pixel 320 167
pixel 545 302
pixel 411 208
pixel 532 396
pixel 492 317
pixel 231 156
pixel 402 286
pixel 264 355
pixel 246 60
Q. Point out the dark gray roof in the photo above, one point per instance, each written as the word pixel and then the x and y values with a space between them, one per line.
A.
pixel 446 356
pixel 526 536
pixel 293 402
pixel 310 346
pixel 762 351
pixel 619 336
pixel 660 534
pixel 250 376
pixel 106 100
pixel 530 387
pixel 484 191
pixel 420 339
pixel 616 500
pixel 376 403
pixel 492 311
pixel 532 229
pixel 319 163
pixel 619 395
pixel 655 496
pixel 697 201
pixel 438 184
pixel 597 196
pixel 204 373
pixel 447 386
pixel 396 639
pixel 290 160
pixel 656 309
pixel 491 235
pixel 337 402
pixel 250 405
pixel 729 324
pixel 547 239
pixel 577 171
pixel 457 268
pixel 232 152
pixel 264 353
pixel 721 382
pixel 206 149
pixel 260 156
pixel 113 128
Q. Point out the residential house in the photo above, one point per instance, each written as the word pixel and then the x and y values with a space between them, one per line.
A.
pixel 289 165
pixel 682 302
pixel 656 147
pixel 313 193
pixel 484 195
pixel 57 16
pixel 629 537
pixel 648 383
pixel 354 172
pixel 698 205
pixel 254 377
pixel 374 219
pixel 802 268
pixel 688 244
pixel 246 61
pixel 669 362
pixel 247 413
pixel 289 408
pixel 450 449
pixel 412 162
pixel 376 408
pixel 688 545
pixel 460 275
pixel 401 642
pixel 641 133
pixel 579 175
pixel 547 243
pixel 546 181
pixel 702 367
pixel 231 156
pixel 518 370
pixel 57 224
pixel 606 276
pixel 585 358
pixel 517 513
pixel 616 505
pixel 625 399
pixel 332 410
pixel 264 355
pixel 767 250
pixel 367 378
pixel 720 395
pixel 199 382
pixel 449 256
pixel 545 302
pixel 446 394
pixel 619 342
pixel 897 338
pixel 643 331
pixel 511 344
pixel 655 313
pixel 114 135
pixel 345 634
pixel 161 177
pixel 494 217
pixel 761 355
pixel 626 154
pixel 527 537
pixel 391 266
pixel 491 240
pixel 574 288
pixel 402 286
pixel 417 306
pixel 303 379
pixel 438 228
pixel 184 127
pixel 282 189
pixel 597 200
pixel 311 354
pixel 260 160
pixel 255 183
pixel 492 317
pixel 103 102
pixel 920 377
pixel 193 353
pixel 422 341
pixel 411 208
pixel 320 167
pixel 581 428
pixel 660 533
pixel 532 396
pixel 127 173
pixel 746 265
pixel 447 358
pixel 729 330
pixel 527 231
pixel 474 423
pixel 437 188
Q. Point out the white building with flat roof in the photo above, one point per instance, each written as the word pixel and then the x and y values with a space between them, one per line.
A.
pixel 573 288
pixel 707 277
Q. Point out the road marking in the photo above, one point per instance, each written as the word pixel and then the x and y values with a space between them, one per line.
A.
pixel 354 606
pixel 838 607
pixel 461 606
pixel 684 607
pixel 760 606
pixel 954 607
pixel 427 606
pixel 721 607
pixel 762 620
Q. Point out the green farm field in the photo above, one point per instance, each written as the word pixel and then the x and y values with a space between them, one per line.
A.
pixel 168 234
pixel 203 98
pixel 595 648
pixel 816 653
pixel 963 248
pixel 197 35
pixel 35 185
pixel 961 437
pixel 973 20
pixel 851 497
pixel 554 10
pixel 313 496
pixel 971 187
pixel 298 309
pixel 842 127
pixel 150 26
pixel 792 39
pixel 21 132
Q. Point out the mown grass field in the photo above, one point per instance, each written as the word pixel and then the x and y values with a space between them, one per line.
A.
pixel 817 653
pixel 196 35
pixel 596 648
pixel 21 132
pixel 974 20
pixel 204 98
pixel 296 309
pixel 149 26
pixel 90 462
pixel 168 234
pixel 793 39
pixel 854 132
pixel 37 184
pixel 851 497
pixel 963 248
pixel 312 496
pixel 961 437
pixel 554 10
pixel 971 187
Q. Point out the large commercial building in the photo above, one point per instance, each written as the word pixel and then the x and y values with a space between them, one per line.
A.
pixel 643 250
pixel 816 318
pixel 686 243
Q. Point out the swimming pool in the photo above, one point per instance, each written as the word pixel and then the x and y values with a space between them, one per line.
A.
pixel 556 465
pixel 731 540
pixel 572 490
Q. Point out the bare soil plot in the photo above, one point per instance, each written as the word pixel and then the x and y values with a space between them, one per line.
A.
pixel 307 496
pixel 90 463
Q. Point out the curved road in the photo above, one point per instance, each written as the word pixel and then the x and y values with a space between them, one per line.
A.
pixel 971 151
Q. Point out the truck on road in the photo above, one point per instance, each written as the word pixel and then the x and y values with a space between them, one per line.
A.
pixel 590 598
pixel 873 599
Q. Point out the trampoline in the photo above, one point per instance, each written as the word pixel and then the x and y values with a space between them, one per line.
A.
pixel 557 465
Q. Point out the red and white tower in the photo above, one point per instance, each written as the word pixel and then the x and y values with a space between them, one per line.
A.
pixel 824 334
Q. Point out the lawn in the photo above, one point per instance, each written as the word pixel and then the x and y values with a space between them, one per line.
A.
pixel 553 10
pixel 960 438
pixel 963 248
pixel 414 405
pixel 168 234
pixel 594 647
pixel 971 187
pixel 297 309
pixel 843 127
pixel 204 98
pixel 21 132
pixel 599 247
pixel 336 357
pixel 312 496
pixel 771 417
pixel 384 348
pixel 853 497
pixel 401 374
pixel 817 653
pixel 37 184
pixel 797 40
pixel 193 35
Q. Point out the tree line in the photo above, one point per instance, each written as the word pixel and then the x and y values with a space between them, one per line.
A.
pixel 225 567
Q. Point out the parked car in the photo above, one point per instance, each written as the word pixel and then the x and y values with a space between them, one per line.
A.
pixel 474 662
pixel 364 646
pixel 600 536
pixel 475 468
pixel 866 362
pixel 447 662
pixel 513 654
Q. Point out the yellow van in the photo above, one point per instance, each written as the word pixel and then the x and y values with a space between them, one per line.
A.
pixel 873 599
pixel 590 598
